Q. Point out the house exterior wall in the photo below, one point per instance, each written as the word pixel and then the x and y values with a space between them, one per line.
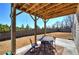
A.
pixel 75 31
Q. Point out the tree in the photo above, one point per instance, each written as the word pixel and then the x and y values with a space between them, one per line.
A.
pixel 62 25
pixel 17 28
pixel 38 27
pixel 53 26
pixel 66 21
pixel 57 24
pixel 4 28
pixel 0 27
pixel 27 27
pixel 7 28
pixel 43 29
pixel 22 26
pixel 71 19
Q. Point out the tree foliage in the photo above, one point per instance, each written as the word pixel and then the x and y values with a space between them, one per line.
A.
pixel 4 28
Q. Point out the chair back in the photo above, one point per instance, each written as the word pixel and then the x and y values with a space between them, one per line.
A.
pixel 30 41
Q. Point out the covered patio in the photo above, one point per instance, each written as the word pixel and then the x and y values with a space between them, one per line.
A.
pixel 45 11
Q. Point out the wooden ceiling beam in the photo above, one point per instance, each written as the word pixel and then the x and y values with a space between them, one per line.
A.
pixel 67 12
pixel 52 10
pixel 63 13
pixel 63 9
pixel 60 15
pixel 24 10
pixel 55 9
pixel 33 14
pixel 40 12
pixel 32 7
pixel 40 7
pixel 22 6
pixel 77 11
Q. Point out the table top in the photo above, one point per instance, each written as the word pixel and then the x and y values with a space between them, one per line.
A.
pixel 46 38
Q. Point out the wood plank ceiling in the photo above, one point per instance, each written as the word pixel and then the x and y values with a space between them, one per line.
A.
pixel 48 10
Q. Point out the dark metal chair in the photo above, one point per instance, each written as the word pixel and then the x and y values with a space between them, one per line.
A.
pixel 34 46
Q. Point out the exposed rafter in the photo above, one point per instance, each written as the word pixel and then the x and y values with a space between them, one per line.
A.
pixel 77 11
pixel 48 10
pixel 62 10
pixel 32 7
pixel 56 9
pixel 22 6
pixel 40 12
pixel 40 8
pixel 72 11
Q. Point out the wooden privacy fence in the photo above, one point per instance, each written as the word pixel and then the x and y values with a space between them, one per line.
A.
pixel 7 35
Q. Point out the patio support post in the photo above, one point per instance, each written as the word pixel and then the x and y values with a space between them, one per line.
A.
pixel 35 18
pixel 35 30
pixel 45 21
pixel 13 29
pixel 44 27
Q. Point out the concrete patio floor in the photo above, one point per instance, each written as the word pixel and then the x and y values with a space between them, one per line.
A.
pixel 69 47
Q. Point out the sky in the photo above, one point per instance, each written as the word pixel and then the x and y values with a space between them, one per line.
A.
pixel 24 18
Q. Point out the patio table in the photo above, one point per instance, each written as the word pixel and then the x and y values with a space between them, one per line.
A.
pixel 45 48
pixel 46 38
pixel 46 43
